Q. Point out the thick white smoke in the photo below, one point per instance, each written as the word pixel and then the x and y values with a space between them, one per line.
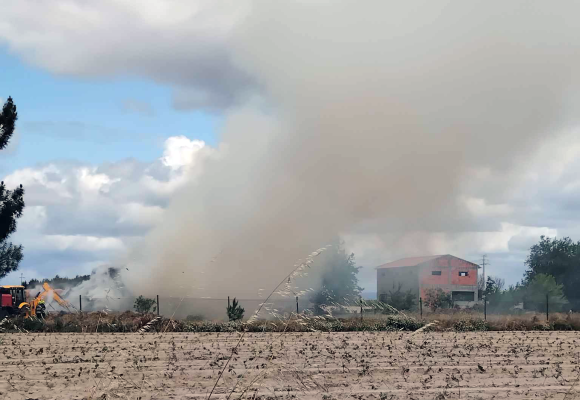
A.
pixel 371 117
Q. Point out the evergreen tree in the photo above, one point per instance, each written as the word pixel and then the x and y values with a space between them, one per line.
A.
pixel 8 118
pixel 544 287
pixel 235 311
pixel 11 201
pixel 58 282
pixel 339 279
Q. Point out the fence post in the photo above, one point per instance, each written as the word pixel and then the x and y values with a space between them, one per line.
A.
pixel 484 308
pixel 361 308
pixel 547 312
pixel 297 311
pixel 421 306
pixel 157 305
pixel 80 303
pixel 228 301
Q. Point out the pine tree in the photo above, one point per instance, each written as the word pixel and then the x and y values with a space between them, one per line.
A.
pixel 11 201
pixel 339 280
pixel 235 311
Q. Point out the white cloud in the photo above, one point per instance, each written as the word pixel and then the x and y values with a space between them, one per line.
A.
pixel 140 214
pixel 94 182
pixel 109 37
pixel 180 151
pixel 480 208
pixel 79 216
pixel 82 243
pixel 34 219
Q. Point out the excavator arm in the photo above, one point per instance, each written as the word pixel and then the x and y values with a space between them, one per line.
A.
pixel 62 302
pixel 30 307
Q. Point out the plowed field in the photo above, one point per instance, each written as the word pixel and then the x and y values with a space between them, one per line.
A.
pixel 478 365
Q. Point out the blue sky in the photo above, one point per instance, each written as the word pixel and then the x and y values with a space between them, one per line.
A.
pixel 85 119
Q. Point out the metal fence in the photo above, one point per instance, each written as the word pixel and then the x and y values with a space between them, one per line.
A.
pixel 215 308
pixel 193 308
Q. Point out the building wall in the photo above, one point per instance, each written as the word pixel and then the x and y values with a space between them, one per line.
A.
pixel 388 280
pixel 421 278
pixel 450 279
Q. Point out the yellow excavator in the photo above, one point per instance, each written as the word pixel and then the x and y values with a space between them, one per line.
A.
pixel 37 307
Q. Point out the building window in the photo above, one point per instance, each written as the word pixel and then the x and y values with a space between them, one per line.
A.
pixel 435 272
pixel 383 273
pixel 463 273
pixel 463 296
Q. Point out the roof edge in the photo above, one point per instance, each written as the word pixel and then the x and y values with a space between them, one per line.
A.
pixel 424 262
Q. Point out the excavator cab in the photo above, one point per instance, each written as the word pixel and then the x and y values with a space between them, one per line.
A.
pixel 10 298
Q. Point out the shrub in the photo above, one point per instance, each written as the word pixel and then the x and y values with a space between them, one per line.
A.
pixel 235 311
pixel 437 298
pixel 144 305
pixel 401 300
pixel 544 287
pixel 31 324
pixel 470 325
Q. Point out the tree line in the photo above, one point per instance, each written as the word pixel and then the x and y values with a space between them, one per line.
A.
pixel 552 276
pixel 57 282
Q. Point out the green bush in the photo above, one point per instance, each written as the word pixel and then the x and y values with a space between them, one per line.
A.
pixel 470 325
pixel 539 288
pixel 144 305
pixel 437 298
pixel 31 324
pixel 400 300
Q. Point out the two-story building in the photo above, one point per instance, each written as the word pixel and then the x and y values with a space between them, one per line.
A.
pixel 447 272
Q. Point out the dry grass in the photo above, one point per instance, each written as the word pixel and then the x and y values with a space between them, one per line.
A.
pixel 513 322
pixel 457 321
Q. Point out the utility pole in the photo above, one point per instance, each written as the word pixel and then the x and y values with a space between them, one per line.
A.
pixel 484 281
pixel 483 295
pixel 21 278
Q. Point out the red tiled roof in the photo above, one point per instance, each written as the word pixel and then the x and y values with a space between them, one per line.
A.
pixel 408 262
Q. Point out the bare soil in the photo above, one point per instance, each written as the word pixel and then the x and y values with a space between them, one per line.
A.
pixel 359 365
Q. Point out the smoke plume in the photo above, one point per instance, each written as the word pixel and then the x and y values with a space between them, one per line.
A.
pixel 370 117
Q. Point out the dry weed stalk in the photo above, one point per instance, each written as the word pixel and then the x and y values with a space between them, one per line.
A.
pixel 149 325
pixel 294 273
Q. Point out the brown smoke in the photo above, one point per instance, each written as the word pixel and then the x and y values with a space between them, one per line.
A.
pixel 370 118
